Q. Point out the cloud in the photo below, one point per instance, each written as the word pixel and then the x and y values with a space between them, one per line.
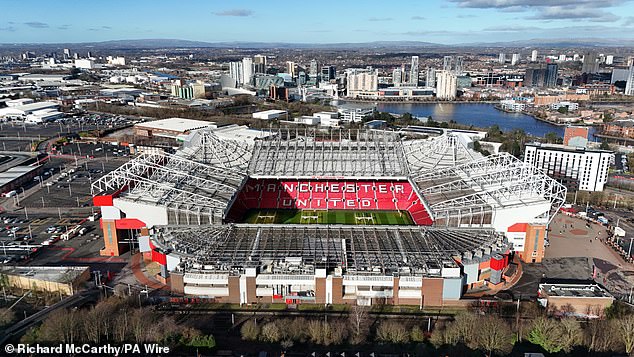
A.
pixel 37 25
pixel 567 13
pixel 466 16
pixel 548 10
pixel 106 27
pixel 500 4
pixel 418 18
pixel 235 12
pixel 7 29
pixel 380 19
pixel 63 27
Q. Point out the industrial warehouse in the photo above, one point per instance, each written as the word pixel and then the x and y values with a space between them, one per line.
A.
pixel 328 217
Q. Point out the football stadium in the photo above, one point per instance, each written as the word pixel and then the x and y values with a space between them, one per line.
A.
pixel 328 216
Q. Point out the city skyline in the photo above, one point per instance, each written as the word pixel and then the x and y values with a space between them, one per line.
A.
pixel 437 21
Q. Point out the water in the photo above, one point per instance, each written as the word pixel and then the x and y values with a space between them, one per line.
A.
pixel 479 115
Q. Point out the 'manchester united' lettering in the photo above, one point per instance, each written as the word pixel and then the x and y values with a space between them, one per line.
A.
pixel 329 195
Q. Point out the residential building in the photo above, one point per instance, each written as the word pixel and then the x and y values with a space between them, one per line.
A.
pixel 354 115
pixel 590 63
pixel 577 168
pixel 609 59
pixel 259 64
pixel 502 58
pixel 328 73
pixel 629 86
pixel 414 71
pixel 363 84
pixel 247 70
pixel 515 59
pixel 534 56
pixel 446 85
pixel 570 106
pixel 430 79
pixel 541 75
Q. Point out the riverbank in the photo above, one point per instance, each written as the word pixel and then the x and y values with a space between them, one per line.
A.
pixel 410 101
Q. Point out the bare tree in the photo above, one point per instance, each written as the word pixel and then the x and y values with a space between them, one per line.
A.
pixel 358 317
pixel 570 332
pixel 599 336
pixel 249 331
pixel 392 331
pixel 625 328
pixel 270 332
pixel 493 335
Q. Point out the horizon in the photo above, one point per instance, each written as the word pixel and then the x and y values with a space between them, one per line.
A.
pixel 39 22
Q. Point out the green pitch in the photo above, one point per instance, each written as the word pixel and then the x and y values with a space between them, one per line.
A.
pixel 288 216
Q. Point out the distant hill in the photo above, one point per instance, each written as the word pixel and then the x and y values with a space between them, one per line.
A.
pixel 177 43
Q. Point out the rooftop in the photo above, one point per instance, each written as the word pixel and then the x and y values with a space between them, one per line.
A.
pixel 574 290
pixel 180 125
pixel 47 273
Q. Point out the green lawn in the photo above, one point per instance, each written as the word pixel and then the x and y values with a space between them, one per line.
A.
pixel 288 216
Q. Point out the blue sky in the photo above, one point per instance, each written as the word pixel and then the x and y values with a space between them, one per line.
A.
pixel 324 21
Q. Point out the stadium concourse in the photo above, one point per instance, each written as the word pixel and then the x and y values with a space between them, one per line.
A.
pixel 208 212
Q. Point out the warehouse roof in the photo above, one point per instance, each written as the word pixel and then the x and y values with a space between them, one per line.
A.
pixel 181 125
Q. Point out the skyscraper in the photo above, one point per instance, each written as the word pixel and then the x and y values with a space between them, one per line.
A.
pixel 609 59
pixel 541 76
pixel 312 71
pixel 447 63
pixel 502 58
pixel 247 70
pixel 629 86
pixel 413 72
pixel 235 72
pixel 534 56
pixel 446 85
pixel 259 64
pixel 398 75
pixel 590 63
pixel 430 78
pixel 458 65
pixel 291 68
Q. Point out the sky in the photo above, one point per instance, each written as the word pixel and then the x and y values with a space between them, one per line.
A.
pixel 323 21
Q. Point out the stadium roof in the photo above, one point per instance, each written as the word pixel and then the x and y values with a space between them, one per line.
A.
pixel 351 154
pixel 381 250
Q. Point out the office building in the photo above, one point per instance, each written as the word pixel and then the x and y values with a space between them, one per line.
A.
pixel 328 73
pixel 629 86
pixel 590 63
pixel 446 85
pixel 576 168
pixel 189 91
pixel 413 72
pixel 447 63
pixel 534 56
pixel 562 58
pixel 430 79
pixel 502 58
pixel 609 59
pixel 515 59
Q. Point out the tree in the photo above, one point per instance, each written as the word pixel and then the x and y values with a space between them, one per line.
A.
pixel 624 327
pixel 552 138
pixel 358 317
pixel 599 336
pixel 476 146
pixel 417 334
pixel 493 335
pixel 6 316
pixel 392 331
pixel 270 332
pixel 202 341
pixel 250 331
pixel 571 333
pixel 563 110
pixel 604 145
pixel 545 333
